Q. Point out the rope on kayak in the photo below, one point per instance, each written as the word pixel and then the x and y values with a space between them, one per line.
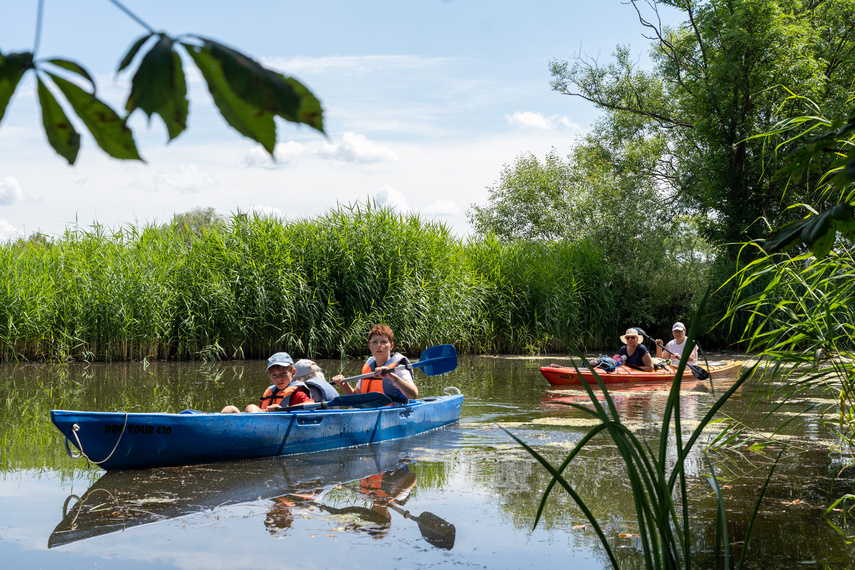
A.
pixel 75 428
pixel 452 390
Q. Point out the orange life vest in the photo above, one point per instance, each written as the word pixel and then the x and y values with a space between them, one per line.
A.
pixel 275 396
pixel 376 384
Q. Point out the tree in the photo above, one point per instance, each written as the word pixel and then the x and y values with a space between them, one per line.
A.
pixel 718 78
pixel 248 95
pixel 531 201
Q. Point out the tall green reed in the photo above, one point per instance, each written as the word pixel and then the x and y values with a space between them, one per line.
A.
pixel 254 285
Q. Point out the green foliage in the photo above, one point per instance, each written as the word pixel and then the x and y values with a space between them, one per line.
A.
pixel 247 94
pixel 717 80
pixel 532 201
pixel 205 288
pixel 653 474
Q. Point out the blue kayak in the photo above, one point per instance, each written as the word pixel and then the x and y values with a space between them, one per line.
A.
pixel 123 440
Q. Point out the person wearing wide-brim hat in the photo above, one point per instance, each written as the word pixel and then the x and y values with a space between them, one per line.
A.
pixel 633 353
pixel 677 344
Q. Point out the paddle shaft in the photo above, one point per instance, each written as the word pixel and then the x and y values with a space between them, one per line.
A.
pixel 697 371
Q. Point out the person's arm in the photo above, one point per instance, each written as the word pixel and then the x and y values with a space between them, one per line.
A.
pixel 648 362
pixel 402 381
pixel 346 388
pixel 301 397
pixel 659 344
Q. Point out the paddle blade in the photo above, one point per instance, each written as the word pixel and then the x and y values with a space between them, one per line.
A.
pixel 699 372
pixel 439 359
pixel 436 531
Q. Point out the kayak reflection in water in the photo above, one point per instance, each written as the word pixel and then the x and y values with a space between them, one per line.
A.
pixel 386 491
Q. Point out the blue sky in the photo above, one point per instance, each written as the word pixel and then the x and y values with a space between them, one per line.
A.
pixel 424 101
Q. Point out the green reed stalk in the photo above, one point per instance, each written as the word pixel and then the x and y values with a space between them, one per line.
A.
pixel 665 535
pixel 255 285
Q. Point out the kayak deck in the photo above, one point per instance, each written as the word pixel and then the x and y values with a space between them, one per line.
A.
pixel 569 376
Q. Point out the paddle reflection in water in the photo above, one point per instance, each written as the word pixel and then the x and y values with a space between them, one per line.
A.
pixel 383 491
pixel 297 484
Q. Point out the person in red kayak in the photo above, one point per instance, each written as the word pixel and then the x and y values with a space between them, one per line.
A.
pixel 397 384
pixel 633 353
pixel 280 370
pixel 676 346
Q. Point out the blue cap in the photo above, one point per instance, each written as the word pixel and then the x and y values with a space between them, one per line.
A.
pixel 279 359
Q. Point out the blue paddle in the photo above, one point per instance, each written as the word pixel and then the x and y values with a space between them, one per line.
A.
pixel 439 359
pixel 369 400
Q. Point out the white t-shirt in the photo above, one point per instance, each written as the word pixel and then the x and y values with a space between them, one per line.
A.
pixel 677 350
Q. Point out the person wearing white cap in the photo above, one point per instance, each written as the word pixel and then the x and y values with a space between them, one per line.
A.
pixel 633 353
pixel 677 344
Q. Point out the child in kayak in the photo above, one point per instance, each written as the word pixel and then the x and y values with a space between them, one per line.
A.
pixel 283 393
pixel 397 384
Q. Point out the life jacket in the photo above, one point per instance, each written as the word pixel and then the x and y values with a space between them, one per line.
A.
pixel 274 395
pixel 377 384
pixel 319 389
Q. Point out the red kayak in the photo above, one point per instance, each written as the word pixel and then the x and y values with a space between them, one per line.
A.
pixel 563 376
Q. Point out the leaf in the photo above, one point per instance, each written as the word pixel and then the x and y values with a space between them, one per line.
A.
pixel 785 237
pixel 850 166
pixel 12 68
pixel 310 111
pixel 822 246
pixel 132 53
pixel 74 67
pixel 246 119
pixel 60 132
pixel 158 87
pixel 266 89
pixel 107 127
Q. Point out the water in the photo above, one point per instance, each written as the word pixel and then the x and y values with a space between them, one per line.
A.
pixel 462 496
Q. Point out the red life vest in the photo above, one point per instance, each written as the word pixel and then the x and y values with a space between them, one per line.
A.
pixel 273 395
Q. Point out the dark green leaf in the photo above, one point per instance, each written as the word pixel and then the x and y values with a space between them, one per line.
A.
pixel 266 89
pixel 310 111
pixel 785 237
pixel 59 130
pixel 822 246
pixel 158 87
pixel 243 117
pixel 132 53
pixel 12 68
pixel 846 227
pixel 850 166
pixel 106 126
pixel 74 67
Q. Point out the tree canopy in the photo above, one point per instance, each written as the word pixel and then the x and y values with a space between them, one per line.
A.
pixel 719 78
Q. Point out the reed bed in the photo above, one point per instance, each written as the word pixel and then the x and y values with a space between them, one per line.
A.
pixel 254 285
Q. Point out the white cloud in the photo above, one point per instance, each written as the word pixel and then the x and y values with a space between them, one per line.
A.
pixel 391 198
pixel 266 211
pixel 357 149
pixel 8 232
pixel 10 191
pixel 353 148
pixel 442 208
pixel 187 179
pixel 285 155
pixel 531 120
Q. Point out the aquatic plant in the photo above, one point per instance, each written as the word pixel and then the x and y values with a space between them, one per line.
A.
pixel 659 492
pixel 253 285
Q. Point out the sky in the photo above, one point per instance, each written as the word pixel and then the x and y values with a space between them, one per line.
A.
pixel 425 102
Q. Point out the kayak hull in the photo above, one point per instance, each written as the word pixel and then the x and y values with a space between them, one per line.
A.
pixel 120 440
pixel 564 376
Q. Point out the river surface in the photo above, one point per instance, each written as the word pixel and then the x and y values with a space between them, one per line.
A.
pixel 463 496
